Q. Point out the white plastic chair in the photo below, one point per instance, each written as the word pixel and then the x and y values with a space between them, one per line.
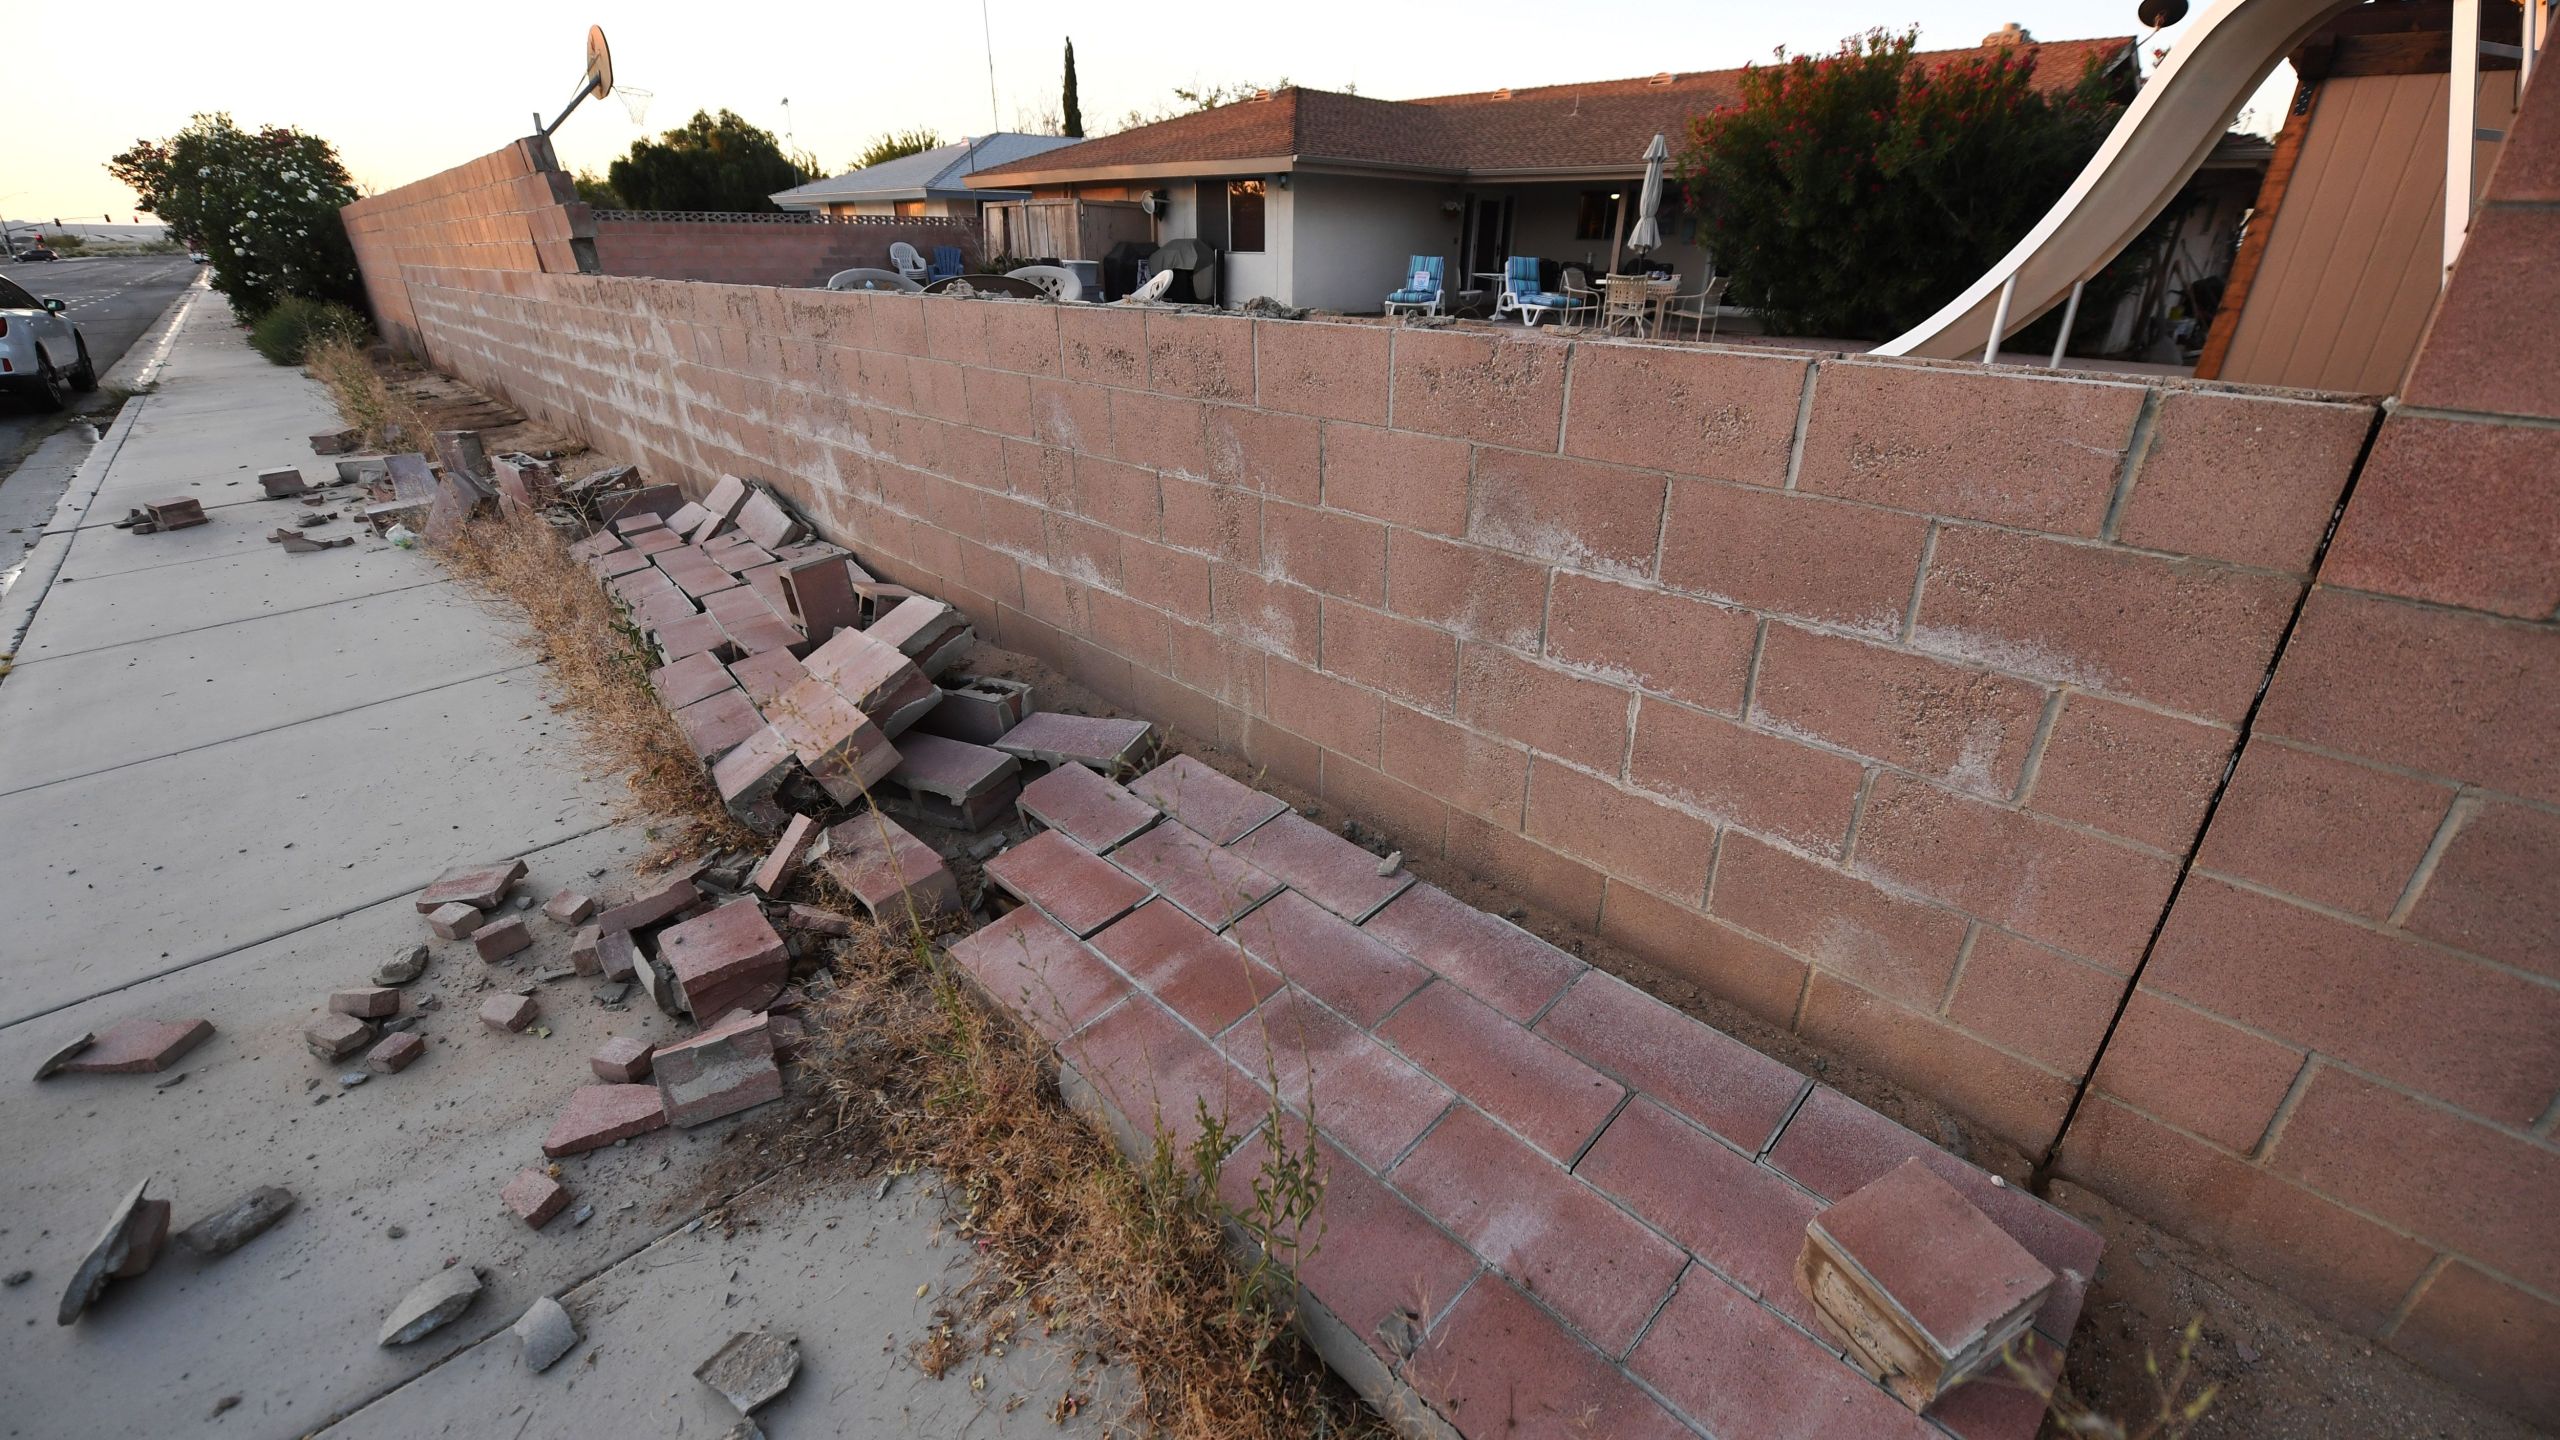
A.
pixel 1055 281
pixel 1152 291
pixel 865 278
pixel 909 263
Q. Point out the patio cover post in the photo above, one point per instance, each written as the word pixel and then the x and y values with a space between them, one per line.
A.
pixel 1617 231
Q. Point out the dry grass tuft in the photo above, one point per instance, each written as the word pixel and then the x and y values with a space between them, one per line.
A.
pixel 366 401
pixel 601 667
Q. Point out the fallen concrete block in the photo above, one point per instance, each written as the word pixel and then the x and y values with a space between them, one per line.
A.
pixel 688 519
pixel 569 907
pixel 395 1053
pixel 437 1302
pixel 632 525
pixel 1081 805
pixel 728 959
pixel 535 1197
pixel 728 493
pixel 524 481
pixel 817 921
pixel 283 484
pixel 148 1231
pixel 783 860
pixel 819 595
pixel 1112 747
pixel 368 470
pixel 741 605
pixel 585 951
pixel 502 938
pixel 111 1251
pixel 878 598
pixel 508 1013
pixel 1216 805
pixel 767 522
pixel 766 676
pixel 889 870
pixel 879 681
pixel 721 1071
pixel 238 1223
pixel 655 541
pixel 481 887
pixel 650 906
pixel 137 1047
pixel 372 1002
pixel 762 635
pixel 952 782
pixel 622 1060
pixel 715 726
pixel 1080 890
pixel 546 1333
pixel 657 500
pixel 978 709
pixel 696 677
pixel 946 652
pixel 1922 1289
pixel 737 554
pixel 175 514
pixel 456 921
pixel 402 968
pixel 752 1369
pixel 602 542
pixel 616 954
pixel 694 634
pixel 833 738
pixel 750 774
pixel 598 1115
pixel 335 1037
pixel 335 442
pixel 916 624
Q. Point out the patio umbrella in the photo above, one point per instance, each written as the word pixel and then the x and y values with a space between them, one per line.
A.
pixel 1647 234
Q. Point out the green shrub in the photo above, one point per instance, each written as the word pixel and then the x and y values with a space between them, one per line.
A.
pixel 262 204
pixel 293 325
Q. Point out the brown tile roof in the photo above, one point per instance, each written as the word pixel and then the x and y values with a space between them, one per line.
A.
pixel 1601 124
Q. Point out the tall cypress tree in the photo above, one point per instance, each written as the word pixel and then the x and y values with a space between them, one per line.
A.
pixel 1067 106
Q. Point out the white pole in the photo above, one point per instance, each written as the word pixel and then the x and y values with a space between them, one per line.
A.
pixel 2462 118
pixel 2000 320
pixel 2070 312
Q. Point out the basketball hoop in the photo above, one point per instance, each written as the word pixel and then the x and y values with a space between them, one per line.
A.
pixel 635 101
pixel 597 81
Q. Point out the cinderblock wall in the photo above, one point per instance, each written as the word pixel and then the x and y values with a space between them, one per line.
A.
pixel 753 252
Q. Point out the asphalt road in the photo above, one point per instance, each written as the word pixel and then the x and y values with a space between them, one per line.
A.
pixel 112 301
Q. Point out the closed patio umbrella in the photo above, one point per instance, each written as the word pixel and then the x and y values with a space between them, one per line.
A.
pixel 1647 234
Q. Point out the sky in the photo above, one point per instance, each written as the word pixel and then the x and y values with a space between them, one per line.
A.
pixel 406 91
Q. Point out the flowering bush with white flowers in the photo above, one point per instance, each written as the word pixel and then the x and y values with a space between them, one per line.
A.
pixel 262 203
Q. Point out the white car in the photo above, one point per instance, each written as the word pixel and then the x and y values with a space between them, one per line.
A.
pixel 42 353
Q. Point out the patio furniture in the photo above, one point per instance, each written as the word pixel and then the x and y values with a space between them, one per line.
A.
pixel 1424 288
pixel 1521 295
pixel 1055 281
pixel 1701 308
pixel 987 284
pixel 866 279
pixel 1578 285
pixel 947 261
pixel 908 262
pixel 1153 291
pixel 1625 303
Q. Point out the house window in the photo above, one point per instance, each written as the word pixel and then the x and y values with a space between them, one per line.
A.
pixel 1598 209
pixel 1244 214
pixel 908 208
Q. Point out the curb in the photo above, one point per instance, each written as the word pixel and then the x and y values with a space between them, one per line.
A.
pixel 138 368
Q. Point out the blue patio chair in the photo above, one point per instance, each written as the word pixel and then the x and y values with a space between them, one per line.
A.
pixel 947 262
pixel 1416 294
pixel 1521 295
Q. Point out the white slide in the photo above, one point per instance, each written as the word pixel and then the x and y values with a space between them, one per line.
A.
pixel 2171 126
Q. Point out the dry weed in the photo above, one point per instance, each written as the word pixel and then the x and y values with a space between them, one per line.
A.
pixel 364 399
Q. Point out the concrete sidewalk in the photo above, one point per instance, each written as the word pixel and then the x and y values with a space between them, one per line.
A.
pixel 227 770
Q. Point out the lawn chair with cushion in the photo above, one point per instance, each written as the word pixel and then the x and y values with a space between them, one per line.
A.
pixel 947 262
pixel 908 262
pixel 1520 293
pixel 1424 288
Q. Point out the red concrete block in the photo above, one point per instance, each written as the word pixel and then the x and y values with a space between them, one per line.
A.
pixel 2296 454
pixel 2428 689
pixel 371 1002
pixel 1566 889
pixel 1414 663
pixel 720 724
pixel 1933 1270
pixel 569 907
pixel 1270 615
pixel 895 875
pixel 833 738
pixel 1969 727
pixel 1212 804
pixel 598 1115
pixel 1564 715
pixel 2487 1336
pixel 1537 1224
pixel 499 939
pixel 2343 834
pixel 1741 1218
pixel 1501 1365
pixel 1538 1089
pixel 1499 389
pixel 686 635
pixel 2034 1002
pixel 1636 634
pixel 2492 891
pixel 1220 521
pixel 1077 888
pixel 1792 554
pixel 143 1047
pixel 1121 496
pixel 622 1060
pixel 2018 1101
pixel 1207 357
pixel 1573 513
pixel 333 1037
pixel 1467 590
pixel 876 679
pixel 1107 347
pixel 2456 512
pixel 1153 1078
pixel 508 1014
pixel 1736 1368
pixel 719 1071
pixel 617 564
pixel 783 860
pixel 819 595
pixel 1039 972
pixel 1322 866
pixel 1413 482
pixel 1323 709
pixel 1705 1075
pixel 535 1197
pixel 395 1053
pixel 2483 348
pixel 2130 772
pixel 726 959
pixel 696 677
pixel 1338 371
pixel 479 886
pixel 2050 882
pixel 1111 746
pixel 1336 554
pixel 1084 807
pixel 1206 979
pixel 750 774
pixel 1366 1098
pixel 1718 958
pixel 2183 635
pixel 1476 773
pixel 2453 1028
pixel 2019 449
pixel 1160 432
pixel 1626 834
pixel 1323 954
pixel 1264 451
pixel 2196 1072
pixel 1744 776
pixel 1713 413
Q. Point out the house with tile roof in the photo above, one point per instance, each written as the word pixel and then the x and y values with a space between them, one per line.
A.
pixel 1317 198
pixel 929 182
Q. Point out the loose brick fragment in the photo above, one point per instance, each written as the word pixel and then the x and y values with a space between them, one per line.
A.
pixel 508 1013
pixel 622 1060
pixel 1221 808
pixel 650 906
pixel 335 442
pixel 143 1238
pixel 479 886
pixel 598 1115
pixel 783 860
pixel 282 484
pixel 139 1047
pixel 748 776
pixel 728 959
pixel 394 1053
pixel 456 921
pixel 1084 807
pixel 335 1037
pixel 817 921
pixel 1110 746
pixel 535 1197
pixel 721 1071
pixel 502 938
pixel 889 870
pixel 570 907
pixel 834 739
pixel 617 954
pixel 372 1002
